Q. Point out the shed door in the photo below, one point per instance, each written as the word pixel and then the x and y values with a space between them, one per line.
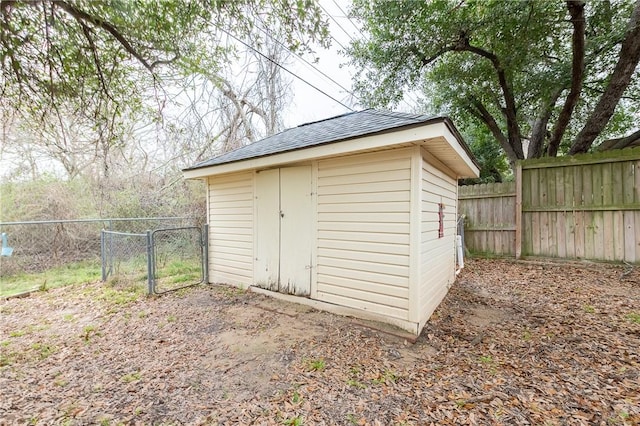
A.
pixel 284 231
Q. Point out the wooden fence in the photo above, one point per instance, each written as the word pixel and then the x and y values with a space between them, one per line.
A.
pixel 490 222
pixel 582 207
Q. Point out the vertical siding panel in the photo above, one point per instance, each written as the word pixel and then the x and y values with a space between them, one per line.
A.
pixel 357 197
pixel 230 199
pixel 437 254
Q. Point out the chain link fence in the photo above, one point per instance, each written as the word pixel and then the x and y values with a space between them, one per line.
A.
pixel 43 251
pixel 163 259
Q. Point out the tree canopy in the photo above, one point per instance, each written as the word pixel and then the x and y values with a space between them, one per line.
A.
pixel 541 77
pixel 91 50
pixel 81 77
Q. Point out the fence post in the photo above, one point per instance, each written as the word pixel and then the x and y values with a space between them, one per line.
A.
pixel 150 263
pixel 102 256
pixel 518 210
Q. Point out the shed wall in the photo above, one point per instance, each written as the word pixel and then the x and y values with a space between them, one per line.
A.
pixel 231 233
pixel 437 254
pixel 363 232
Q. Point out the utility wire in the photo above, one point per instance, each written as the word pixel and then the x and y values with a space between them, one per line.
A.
pixel 338 24
pixel 284 68
pixel 409 94
pixel 309 64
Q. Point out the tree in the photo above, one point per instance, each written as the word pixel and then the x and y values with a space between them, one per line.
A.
pixel 541 77
pixel 84 54
pixel 80 74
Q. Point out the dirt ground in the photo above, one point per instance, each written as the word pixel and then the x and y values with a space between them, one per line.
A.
pixel 513 343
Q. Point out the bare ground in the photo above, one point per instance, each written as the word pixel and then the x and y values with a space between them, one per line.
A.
pixel 513 343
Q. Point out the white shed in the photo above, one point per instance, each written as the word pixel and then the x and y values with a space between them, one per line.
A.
pixel 355 214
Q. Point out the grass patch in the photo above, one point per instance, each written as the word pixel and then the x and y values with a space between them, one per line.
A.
pixel 43 350
pixel 386 377
pixel 133 377
pixel 316 364
pixel 634 317
pixel 73 273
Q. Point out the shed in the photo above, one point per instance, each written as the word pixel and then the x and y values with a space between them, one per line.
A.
pixel 355 214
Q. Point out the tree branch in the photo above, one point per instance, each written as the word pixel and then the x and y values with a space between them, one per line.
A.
pixel 576 10
pixel 620 143
pixel 539 129
pixel 485 116
pixel 94 52
pixel 82 16
pixel 510 111
pixel 620 78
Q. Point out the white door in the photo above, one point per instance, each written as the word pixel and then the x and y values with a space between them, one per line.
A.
pixel 284 231
pixel 267 264
pixel 295 230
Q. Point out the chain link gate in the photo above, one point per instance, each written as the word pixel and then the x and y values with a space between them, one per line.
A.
pixel 178 258
pixel 167 259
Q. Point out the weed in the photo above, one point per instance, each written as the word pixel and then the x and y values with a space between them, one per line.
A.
pixel 355 370
pixel 61 382
pixel 171 318
pixel 69 318
pixel 142 314
pixel 229 291
pixel 387 376
pixel 634 317
pixel 88 331
pixel 316 364
pixel 7 358
pixel 589 309
pixel 351 418
pixel 356 384
pixel 485 359
pixel 526 335
pixel 43 286
pixel 18 333
pixel 5 343
pixel 44 350
pixel 131 377
pixel 294 421
pixel 296 397
pixel 120 297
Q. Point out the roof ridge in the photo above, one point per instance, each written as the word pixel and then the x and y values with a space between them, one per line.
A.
pixel 332 118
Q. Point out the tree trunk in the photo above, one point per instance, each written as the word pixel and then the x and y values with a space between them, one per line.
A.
pixel 576 10
pixel 539 128
pixel 620 78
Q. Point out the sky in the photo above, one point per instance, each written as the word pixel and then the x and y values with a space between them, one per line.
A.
pixel 310 105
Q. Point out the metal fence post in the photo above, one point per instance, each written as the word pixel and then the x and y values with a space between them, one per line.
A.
pixel 102 257
pixel 150 263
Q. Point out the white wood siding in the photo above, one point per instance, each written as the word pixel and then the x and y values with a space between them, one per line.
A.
pixel 437 254
pixel 363 232
pixel 231 229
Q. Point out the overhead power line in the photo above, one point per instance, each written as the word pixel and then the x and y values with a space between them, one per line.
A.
pixel 285 69
pixel 409 94
pixel 309 64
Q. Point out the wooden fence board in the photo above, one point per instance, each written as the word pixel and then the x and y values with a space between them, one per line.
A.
pixel 582 207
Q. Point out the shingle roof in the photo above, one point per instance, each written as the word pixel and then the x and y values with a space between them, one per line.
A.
pixel 330 130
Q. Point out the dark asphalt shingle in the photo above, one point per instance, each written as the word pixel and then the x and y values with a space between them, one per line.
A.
pixel 335 129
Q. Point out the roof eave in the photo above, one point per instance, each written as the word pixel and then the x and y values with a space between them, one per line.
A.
pixel 416 133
